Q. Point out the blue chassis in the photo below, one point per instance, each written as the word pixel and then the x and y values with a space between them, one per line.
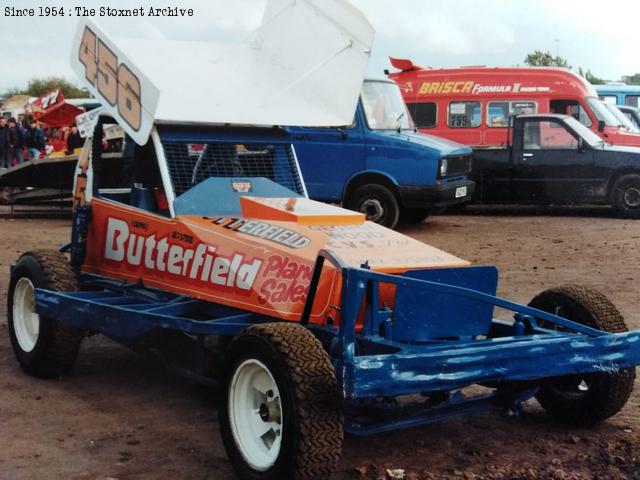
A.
pixel 512 358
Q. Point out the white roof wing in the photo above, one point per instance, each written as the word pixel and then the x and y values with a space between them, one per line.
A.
pixel 304 66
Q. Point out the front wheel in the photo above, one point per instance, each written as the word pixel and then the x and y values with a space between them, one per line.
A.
pixel 584 399
pixel 44 347
pixel 377 202
pixel 281 417
pixel 625 196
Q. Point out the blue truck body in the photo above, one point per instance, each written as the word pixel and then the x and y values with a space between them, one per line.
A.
pixel 336 161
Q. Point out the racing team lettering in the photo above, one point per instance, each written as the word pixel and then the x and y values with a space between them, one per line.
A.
pixel 287 281
pixel 199 263
pixel 434 88
pixel 273 233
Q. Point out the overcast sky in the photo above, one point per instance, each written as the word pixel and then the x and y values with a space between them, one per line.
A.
pixel 430 32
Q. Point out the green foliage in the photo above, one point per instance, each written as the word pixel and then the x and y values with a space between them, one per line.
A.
pixel 39 86
pixel 538 58
pixel 591 78
pixel 634 79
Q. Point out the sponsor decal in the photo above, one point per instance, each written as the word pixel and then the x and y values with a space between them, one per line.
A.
pixel 241 186
pixel 466 86
pixel 429 88
pixel 258 229
pixel 286 281
pixel 202 262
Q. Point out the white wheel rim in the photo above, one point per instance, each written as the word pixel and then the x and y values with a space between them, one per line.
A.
pixel 26 322
pixel 255 414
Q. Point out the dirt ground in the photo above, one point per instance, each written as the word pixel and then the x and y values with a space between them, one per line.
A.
pixel 120 417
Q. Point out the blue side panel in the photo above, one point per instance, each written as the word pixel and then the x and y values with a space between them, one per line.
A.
pixel 217 196
pixel 425 315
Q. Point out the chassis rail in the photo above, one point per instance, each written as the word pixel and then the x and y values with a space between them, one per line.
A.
pixel 512 358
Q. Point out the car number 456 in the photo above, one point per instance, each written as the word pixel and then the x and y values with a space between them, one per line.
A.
pixel 115 82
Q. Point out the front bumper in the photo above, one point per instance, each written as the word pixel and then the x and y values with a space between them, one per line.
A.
pixel 443 195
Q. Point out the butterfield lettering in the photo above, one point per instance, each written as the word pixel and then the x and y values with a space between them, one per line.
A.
pixel 158 254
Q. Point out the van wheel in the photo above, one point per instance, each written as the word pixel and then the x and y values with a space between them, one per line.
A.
pixel 414 215
pixel 281 418
pixel 625 196
pixel 377 202
pixel 584 399
pixel 44 347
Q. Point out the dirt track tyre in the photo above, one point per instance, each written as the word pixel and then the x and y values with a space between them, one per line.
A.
pixel 625 196
pixel 414 215
pixel 44 348
pixel 281 417
pixel 588 399
pixel 377 202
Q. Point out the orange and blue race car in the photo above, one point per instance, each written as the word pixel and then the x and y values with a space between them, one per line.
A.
pixel 196 242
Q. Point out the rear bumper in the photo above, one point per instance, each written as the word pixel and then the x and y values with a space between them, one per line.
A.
pixel 417 196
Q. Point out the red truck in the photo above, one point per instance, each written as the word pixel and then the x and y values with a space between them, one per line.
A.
pixel 472 105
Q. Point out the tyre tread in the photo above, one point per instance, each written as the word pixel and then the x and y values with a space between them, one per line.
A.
pixel 62 344
pixel 318 402
pixel 613 390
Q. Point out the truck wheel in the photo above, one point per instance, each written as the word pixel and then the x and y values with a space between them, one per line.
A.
pixel 588 399
pixel 625 196
pixel 414 215
pixel 44 347
pixel 282 413
pixel 377 202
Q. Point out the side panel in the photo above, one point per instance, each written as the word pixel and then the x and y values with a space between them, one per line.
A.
pixel 206 260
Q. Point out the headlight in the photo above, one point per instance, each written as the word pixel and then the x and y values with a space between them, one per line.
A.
pixel 443 167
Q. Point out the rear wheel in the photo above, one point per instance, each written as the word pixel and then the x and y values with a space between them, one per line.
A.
pixel 377 202
pixel 282 416
pixel 625 196
pixel 589 398
pixel 414 215
pixel 43 347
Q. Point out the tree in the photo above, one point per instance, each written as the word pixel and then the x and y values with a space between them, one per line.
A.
pixel 591 78
pixel 538 58
pixel 39 86
pixel 634 79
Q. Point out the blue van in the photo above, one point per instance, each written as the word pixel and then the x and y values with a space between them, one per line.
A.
pixel 380 165
pixel 619 94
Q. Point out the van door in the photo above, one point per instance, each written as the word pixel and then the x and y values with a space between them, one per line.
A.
pixel 549 166
pixel 572 108
pixel 329 156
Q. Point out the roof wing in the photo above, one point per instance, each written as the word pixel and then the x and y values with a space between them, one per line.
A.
pixel 303 66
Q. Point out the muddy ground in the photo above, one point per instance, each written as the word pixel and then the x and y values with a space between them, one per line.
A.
pixel 120 417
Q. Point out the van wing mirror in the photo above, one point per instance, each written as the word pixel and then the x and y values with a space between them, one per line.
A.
pixel 601 125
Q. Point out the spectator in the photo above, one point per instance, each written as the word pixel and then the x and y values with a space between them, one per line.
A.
pixel 57 140
pixel 4 161
pixel 74 140
pixel 14 143
pixel 34 140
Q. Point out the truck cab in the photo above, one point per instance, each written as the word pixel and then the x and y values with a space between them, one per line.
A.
pixel 379 164
pixel 555 159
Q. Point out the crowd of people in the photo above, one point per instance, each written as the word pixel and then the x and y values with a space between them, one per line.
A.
pixel 25 139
